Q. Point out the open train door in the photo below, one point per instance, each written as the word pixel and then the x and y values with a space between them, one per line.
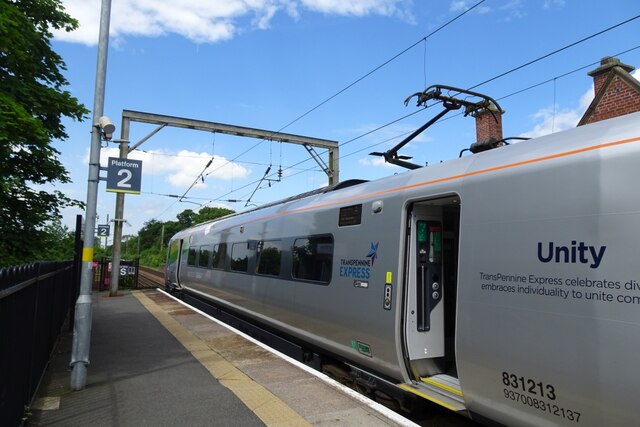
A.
pixel 172 269
pixel 429 301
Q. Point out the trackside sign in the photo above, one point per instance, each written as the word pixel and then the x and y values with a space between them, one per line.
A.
pixel 124 175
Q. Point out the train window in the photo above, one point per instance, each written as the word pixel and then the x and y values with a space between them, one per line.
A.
pixel 191 256
pixel 269 258
pixel 313 258
pixel 203 256
pixel 240 253
pixel 219 255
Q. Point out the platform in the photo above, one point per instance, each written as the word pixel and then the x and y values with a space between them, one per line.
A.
pixel 156 362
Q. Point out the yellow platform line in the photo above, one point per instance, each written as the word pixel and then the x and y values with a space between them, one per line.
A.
pixel 426 396
pixel 271 410
pixel 442 386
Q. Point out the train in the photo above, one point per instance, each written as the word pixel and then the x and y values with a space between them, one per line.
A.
pixel 503 285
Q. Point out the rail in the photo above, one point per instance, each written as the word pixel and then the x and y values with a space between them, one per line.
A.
pixel 150 278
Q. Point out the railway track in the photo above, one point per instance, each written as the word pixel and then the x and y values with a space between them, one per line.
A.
pixel 150 278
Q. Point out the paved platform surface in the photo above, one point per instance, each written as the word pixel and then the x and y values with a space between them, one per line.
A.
pixel 155 362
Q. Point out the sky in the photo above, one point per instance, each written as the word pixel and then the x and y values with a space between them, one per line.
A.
pixel 330 69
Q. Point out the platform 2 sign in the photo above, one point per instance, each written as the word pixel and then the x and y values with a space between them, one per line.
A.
pixel 104 230
pixel 124 175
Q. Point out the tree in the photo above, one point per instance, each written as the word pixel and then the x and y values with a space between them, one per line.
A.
pixel 152 252
pixel 186 218
pixel 150 234
pixel 58 242
pixel 207 214
pixel 32 105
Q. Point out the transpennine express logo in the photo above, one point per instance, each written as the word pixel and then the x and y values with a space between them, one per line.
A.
pixel 359 268
pixel 373 252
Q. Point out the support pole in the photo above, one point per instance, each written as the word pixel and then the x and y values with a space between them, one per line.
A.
pixel 82 323
pixel 334 166
pixel 118 220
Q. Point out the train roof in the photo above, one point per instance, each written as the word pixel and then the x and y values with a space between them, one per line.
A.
pixel 594 135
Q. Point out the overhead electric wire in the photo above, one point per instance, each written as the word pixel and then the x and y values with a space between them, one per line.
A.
pixel 174 196
pixel 408 115
pixel 155 153
pixel 565 74
pixel 358 80
pixel 526 64
pixel 361 136
pixel 368 147
pixel 396 56
pixel 200 175
pixel 180 198
pixel 559 76
pixel 506 73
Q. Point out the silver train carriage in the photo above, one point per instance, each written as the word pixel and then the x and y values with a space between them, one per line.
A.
pixel 504 285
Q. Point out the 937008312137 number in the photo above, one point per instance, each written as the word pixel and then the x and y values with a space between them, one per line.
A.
pixel 542 405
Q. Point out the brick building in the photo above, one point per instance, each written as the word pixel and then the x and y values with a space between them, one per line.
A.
pixel 616 92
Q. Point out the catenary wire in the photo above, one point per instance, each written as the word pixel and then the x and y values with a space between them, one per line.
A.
pixel 531 62
pixel 358 80
pixel 368 147
pixel 540 58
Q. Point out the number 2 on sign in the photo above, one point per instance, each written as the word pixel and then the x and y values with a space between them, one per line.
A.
pixel 124 182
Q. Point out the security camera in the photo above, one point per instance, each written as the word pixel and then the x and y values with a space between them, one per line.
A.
pixel 107 128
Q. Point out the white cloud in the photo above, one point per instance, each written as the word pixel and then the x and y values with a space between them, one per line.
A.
pixel 206 21
pixel 186 166
pixel 377 162
pixel 152 207
pixel 462 5
pixel 181 169
pixel 200 21
pixel 550 121
pixel 553 121
pixel 356 7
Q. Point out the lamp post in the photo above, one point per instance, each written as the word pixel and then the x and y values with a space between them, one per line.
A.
pixel 101 128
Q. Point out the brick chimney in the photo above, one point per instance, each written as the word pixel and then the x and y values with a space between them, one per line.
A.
pixel 616 92
pixel 488 126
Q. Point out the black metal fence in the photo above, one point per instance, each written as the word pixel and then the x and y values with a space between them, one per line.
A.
pixel 35 300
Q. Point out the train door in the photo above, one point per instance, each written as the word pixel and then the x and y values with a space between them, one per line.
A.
pixel 429 314
pixel 172 271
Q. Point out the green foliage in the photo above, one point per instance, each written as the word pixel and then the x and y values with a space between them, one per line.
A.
pixel 58 242
pixel 32 105
pixel 186 218
pixel 150 234
pixel 130 247
pixel 152 257
pixel 53 242
pixel 207 214
pixel 154 236
pixel 150 245
pixel 99 251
